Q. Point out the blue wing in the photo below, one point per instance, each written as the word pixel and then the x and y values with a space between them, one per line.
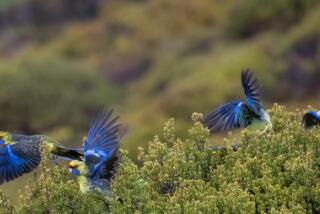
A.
pixel 102 142
pixel 229 116
pixel 18 159
pixel 102 133
pixel 251 90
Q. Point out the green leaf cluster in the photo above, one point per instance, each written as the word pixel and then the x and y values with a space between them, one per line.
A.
pixel 276 171
pixel 271 172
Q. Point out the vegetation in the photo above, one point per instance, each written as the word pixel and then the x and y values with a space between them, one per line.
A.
pixel 271 172
pixel 151 60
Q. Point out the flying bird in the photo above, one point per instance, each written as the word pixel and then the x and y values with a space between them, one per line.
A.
pixel 311 119
pixel 238 114
pixel 20 154
pixel 101 155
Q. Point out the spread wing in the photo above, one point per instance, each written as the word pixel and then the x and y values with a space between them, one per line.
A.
pixel 102 142
pixel 251 89
pixel 229 116
pixel 17 159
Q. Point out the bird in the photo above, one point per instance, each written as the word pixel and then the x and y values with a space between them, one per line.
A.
pixel 20 154
pixel 311 119
pixel 101 155
pixel 238 114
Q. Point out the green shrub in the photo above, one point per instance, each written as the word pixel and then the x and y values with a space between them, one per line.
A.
pixel 272 172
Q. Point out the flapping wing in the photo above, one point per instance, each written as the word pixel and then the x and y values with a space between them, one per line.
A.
pixel 17 159
pixel 251 89
pixel 102 142
pixel 102 133
pixel 229 116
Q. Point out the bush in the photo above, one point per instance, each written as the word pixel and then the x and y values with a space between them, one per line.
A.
pixel 276 171
pixel 272 172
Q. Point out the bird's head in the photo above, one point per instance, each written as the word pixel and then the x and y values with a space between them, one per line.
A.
pixel 77 168
pixel 4 138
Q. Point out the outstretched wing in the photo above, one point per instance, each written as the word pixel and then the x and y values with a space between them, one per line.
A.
pixel 251 89
pixel 102 142
pixel 102 133
pixel 231 115
pixel 17 159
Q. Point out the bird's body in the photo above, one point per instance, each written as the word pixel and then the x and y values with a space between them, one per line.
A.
pixel 238 114
pixel 94 187
pixel 311 119
pixel 101 156
pixel 20 154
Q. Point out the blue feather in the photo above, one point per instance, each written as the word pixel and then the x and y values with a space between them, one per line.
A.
pixel 102 133
pixel 226 117
pixel 315 114
pixel 251 89
pixel 75 172
pixel 238 114
pixel 14 162
pixel 311 119
pixel 102 141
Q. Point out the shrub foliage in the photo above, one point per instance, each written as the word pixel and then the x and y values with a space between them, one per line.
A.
pixel 271 172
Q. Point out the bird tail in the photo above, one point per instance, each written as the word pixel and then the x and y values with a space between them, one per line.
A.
pixel 61 151
pixel 68 153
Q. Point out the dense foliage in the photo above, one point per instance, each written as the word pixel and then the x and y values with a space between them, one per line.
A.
pixel 271 172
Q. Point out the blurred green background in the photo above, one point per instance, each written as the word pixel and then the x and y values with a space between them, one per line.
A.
pixel 150 60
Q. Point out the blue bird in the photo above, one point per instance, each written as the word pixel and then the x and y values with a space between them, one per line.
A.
pixel 20 154
pixel 238 114
pixel 311 119
pixel 101 155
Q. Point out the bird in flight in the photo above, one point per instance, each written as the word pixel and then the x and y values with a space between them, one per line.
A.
pixel 20 154
pixel 101 155
pixel 239 114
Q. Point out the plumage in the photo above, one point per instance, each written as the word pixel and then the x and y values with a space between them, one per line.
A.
pixel 101 155
pixel 238 114
pixel 17 159
pixel 20 154
pixel 311 119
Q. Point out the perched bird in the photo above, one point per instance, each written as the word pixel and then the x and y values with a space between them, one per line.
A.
pixel 238 114
pixel 311 119
pixel 20 154
pixel 101 155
